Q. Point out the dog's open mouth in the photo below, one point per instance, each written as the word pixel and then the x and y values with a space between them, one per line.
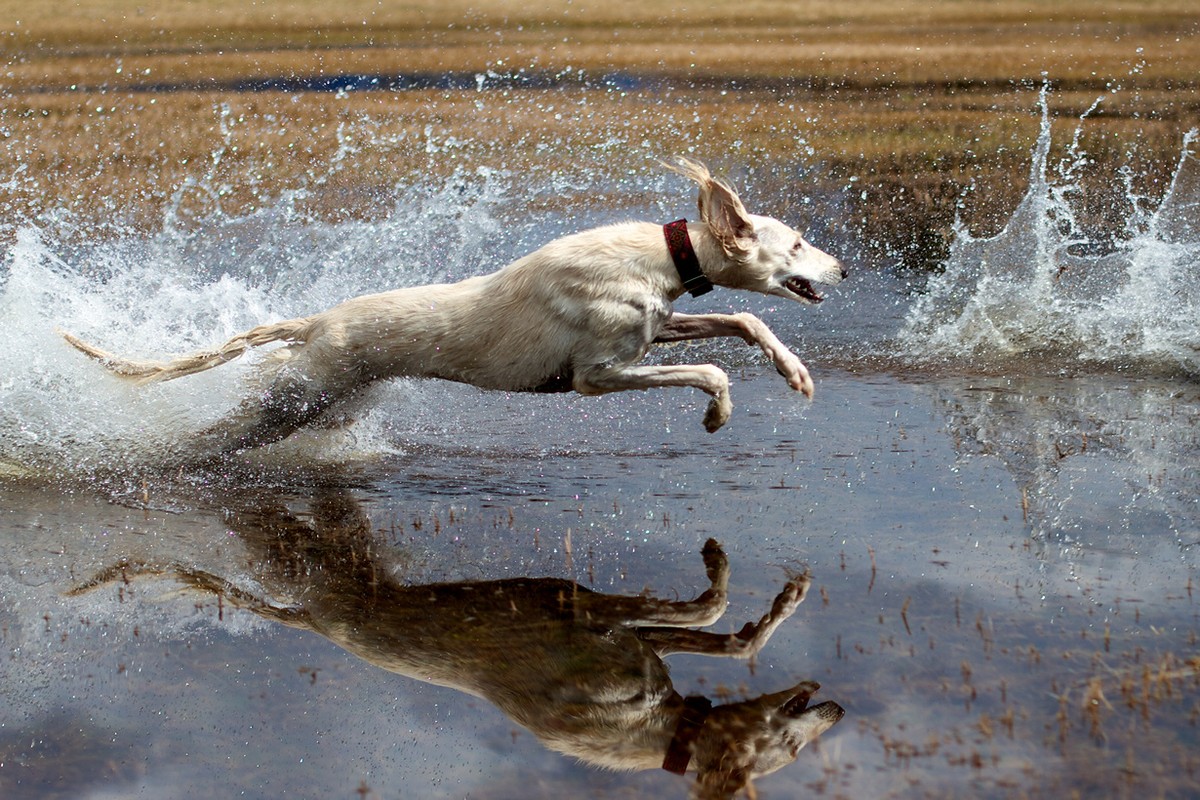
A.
pixel 797 705
pixel 804 289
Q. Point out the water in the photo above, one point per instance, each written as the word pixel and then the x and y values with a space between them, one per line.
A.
pixel 1045 288
pixel 995 489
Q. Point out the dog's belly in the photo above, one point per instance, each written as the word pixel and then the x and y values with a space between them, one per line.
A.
pixel 562 380
pixel 547 382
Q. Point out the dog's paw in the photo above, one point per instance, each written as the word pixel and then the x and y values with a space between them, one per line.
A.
pixel 791 597
pixel 718 412
pixel 716 564
pixel 794 371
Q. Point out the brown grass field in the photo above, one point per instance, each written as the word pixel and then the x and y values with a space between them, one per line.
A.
pixel 115 104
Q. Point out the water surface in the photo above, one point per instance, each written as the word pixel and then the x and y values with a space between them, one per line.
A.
pixel 995 490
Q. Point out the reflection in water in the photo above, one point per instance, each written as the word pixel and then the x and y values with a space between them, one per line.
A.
pixel 1089 464
pixel 581 670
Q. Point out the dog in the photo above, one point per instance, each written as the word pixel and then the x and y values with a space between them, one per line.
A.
pixel 577 314
pixel 583 671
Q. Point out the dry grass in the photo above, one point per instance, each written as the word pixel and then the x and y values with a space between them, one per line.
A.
pixel 869 42
pixel 115 102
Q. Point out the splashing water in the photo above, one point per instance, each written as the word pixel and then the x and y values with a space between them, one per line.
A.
pixel 206 274
pixel 1042 288
pixel 194 283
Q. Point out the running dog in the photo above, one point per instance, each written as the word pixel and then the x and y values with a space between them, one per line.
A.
pixel 577 314
pixel 583 671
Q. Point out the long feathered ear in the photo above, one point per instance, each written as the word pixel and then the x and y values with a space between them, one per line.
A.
pixel 720 209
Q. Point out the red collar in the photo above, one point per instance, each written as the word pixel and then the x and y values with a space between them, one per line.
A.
pixel 679 245
pixel 679 751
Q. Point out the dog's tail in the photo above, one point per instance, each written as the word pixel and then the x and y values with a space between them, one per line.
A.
pixel 151 371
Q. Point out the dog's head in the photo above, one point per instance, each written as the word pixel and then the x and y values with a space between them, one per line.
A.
pixel 760 254
pixel 743 741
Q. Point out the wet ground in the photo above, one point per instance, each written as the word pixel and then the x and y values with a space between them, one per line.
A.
pixel 997 616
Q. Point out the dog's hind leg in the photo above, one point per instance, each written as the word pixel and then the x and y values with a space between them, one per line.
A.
pixel 295 398
pixel 705 377
pixel 686 327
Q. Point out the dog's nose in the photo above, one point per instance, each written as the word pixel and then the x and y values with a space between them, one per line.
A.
pixel 845 270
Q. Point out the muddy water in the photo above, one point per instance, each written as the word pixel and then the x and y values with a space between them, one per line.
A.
pixel 995 497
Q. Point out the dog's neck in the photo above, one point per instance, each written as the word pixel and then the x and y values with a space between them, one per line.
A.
pixel 693 714
pixel 683 256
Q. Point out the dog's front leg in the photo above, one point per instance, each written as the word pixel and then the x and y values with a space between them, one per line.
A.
pixel 652 613
pixel 744 644
pixel 705 377
pixel 685 327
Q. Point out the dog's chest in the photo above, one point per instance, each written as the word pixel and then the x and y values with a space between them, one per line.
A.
pixel 644 316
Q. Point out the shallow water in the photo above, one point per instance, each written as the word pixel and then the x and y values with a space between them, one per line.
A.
pixel 995 490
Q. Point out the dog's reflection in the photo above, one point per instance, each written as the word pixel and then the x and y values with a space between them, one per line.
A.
pixel 582 671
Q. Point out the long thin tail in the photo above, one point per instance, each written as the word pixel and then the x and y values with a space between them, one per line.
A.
pixel 151 371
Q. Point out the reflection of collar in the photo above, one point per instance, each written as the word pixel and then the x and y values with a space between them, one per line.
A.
pixel 679 244
pixel 679 751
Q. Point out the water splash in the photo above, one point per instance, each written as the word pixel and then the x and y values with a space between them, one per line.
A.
pixel 201 277
pixel 1044 288
pixel 214 267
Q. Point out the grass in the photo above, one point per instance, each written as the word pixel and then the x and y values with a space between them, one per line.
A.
pixel 866 42
pixel 110 103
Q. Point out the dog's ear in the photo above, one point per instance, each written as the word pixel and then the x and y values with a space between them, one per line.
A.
pixel 721 210
pixel 720 784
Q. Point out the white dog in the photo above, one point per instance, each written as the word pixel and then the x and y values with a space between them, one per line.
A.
pixel 578 314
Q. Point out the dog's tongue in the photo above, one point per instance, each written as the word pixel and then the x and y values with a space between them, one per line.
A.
pixel 804 289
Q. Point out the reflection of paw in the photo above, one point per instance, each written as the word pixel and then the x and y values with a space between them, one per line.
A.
pixel 753 635
pixel 716 564
pixel 792 596
pixel 719 409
